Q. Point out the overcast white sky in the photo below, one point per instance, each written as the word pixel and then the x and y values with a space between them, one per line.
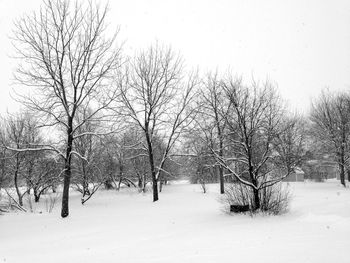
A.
pixel 303 46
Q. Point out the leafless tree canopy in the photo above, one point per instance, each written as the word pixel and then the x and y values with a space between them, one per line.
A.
pixel 64 54
pixel 331 126
pixel 156 96
pixel 70 62
pixel 254 135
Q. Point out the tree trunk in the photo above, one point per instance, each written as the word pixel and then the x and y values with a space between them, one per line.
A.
pixel 154 187
pixel 348 175
pixel 86 190
pixel 221 153
pixel 139 182
pixel 342 166
pixel 20 197
pixel 36 197
pixel 221 176
pixel 256 199
pixel 67 173
pixel 221 169
pixel 66 184
pixel 342 174
pixel 255 191
pixel 153 170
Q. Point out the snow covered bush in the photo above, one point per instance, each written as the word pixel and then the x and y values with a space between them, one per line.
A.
pixel 273 200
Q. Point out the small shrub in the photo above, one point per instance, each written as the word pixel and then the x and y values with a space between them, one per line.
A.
pixel 273 200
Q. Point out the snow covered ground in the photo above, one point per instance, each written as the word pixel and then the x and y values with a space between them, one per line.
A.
pixel 184 226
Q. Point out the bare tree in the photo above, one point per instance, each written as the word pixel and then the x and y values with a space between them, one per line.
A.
pixel 254 122
pixel 198 146
pixel 156 97
pixel 289 143
pixel 17 135
pixel 36 170
pixel 69 62
pixel 21 131
pixel 211 105
pixel 331 125
pixel 45 175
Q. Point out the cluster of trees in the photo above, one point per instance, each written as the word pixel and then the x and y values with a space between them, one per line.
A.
pixel 244 134
pixel 330 130
pixel 115 119
pixel 36 169
pixel 32 165
pixel 91 96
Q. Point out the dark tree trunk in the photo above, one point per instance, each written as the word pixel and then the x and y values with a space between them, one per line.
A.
pixel 68 172
pixel 221 169
pixel 221 151
pixel 154 187
pixel 221 176
pixel 66 184
pixel 254 181
pixel 348 175
pixel 342 174
pixel 256 199
pixel 153 171
pixel 342 167
pixel 36 197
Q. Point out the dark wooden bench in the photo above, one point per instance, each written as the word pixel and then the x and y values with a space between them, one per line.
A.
pixel 239 208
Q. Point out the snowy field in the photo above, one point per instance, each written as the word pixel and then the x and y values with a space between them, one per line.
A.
pixel 184 226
